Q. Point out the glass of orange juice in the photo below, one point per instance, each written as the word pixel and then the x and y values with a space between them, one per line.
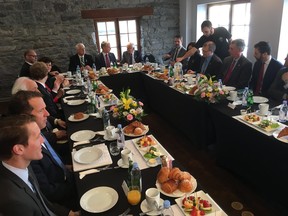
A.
pixel 134 195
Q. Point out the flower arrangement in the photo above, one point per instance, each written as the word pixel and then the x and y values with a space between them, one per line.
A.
pixel 208 90
pixel 129 109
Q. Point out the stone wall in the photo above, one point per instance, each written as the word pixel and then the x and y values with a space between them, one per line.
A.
pixel 53 28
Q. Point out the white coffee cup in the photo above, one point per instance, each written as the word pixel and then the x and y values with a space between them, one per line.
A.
pixel 243 111
pixel 110 131
pixel 69 74
pixel 152 196
pixel 263 108
pixel 233 95
pixel 125 155
pixel 190 79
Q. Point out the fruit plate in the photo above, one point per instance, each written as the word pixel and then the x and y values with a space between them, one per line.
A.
pixel 216 210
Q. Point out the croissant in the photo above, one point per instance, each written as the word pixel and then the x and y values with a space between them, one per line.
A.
pixel 283 132
pixel 163 174
pixel 169 186
pixel 185 175
pixel 185 186
pixel 175 173
pixel 128 129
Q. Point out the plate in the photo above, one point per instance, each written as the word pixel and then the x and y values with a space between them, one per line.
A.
pixel 120 164
pixel 88 155
pixel 154 164
pixel 99 199
pixel 133 135
pixel 228 88
pixel 75 102
pixel 144 207
pixel 230 99
pixel 62 141
pixel 73 91
pixel 178 193
pixel 82 135
pixel 259 99
pixel 215 208
pixel 258 113
pixel 282 139
pixel 110 138
pixel 71 118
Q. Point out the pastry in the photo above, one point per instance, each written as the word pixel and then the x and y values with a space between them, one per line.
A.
pixel 169 186
pixel 175 173
pixel 283 132
pixel 137 131
pixel 185 186
pixel 163 174
pixel 185 175
pixel 129 129
pixel 79 115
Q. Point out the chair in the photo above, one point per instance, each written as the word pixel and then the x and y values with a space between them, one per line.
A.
pixel 150 57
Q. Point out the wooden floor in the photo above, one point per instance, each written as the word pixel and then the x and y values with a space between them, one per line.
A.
pixel 223 186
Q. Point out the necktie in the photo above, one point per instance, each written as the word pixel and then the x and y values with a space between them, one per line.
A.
pixel 229 72
pixel 133 59
pixel 38 194
pixel 54 155
pixel 82 62
pixel 260 80
pixel 175 54
pixel 204 66
pixel 107 60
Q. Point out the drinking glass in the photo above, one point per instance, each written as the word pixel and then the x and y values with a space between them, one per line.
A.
pixel 134 195
pixel 114 149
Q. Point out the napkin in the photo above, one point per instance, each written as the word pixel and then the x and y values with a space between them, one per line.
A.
pixel 105 159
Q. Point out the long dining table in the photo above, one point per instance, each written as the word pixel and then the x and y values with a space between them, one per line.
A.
pixel 258 159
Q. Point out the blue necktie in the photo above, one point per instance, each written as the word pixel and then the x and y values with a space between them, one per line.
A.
pixel 54 155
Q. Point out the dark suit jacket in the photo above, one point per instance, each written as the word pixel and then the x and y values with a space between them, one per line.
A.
pixel 181 53
pixel 213 68
pixel 74 61
pixel 241 73
pixel 100 61
pixel 16 197
pixel 53 183
pixel 126 58
pixel 25 70
pixel 277 89
pixel 194 62
pixel 50 104
pixel 270 74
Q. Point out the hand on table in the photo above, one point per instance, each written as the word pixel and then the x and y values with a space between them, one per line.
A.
pixel 61 134
pixel 61 123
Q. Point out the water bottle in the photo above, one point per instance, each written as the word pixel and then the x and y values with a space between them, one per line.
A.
pixel 106 118
pixel 129 172
pixel 94 68
pixel 244 97
pixel 220 83
pixel 136 178
pixel 92 104
pixel 171 72
pixel 167 211
pixel 78 75
pixel 121 137
pixel 283 111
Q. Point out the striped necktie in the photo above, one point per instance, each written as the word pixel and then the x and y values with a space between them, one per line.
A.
pixel 82 62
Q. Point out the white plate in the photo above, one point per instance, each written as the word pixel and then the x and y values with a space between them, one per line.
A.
pixel 282 139
pixel 259 99
pixel 133 135
pixel 120 164
pixel 215 208
pixel 99 199
pixel 75 102
pixel 230 99
pixel 228 88
pixel 258 113
pixel 72 119
pixel 73 91
pixel 178 193
pixel 82 135
pixel 88 155
pixel 144 207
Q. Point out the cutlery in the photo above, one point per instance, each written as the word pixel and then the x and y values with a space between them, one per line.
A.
pixel 125 212
pixel 87 172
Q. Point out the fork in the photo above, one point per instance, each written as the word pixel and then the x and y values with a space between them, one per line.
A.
pixel 125 212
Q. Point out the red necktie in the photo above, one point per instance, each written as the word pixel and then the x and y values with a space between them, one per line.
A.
pixel 107 60
pixel 229 72
pixel 260 80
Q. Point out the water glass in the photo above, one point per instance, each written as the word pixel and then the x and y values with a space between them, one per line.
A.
pixel 114 149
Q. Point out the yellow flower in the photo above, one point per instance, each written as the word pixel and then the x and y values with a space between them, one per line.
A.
pixel 208 94
pixel 126 103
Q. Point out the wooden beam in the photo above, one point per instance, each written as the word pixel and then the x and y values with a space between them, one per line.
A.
pixel 116 13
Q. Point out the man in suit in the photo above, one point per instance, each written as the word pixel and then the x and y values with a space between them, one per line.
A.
pixel 265 69
pixel 20 143
pixel 30 57
pixel 279 88
pixel 55 179
pixel 131 56
pixel 177 51
pixel 105 58
pixel 81 59
pixel 210 62
pixel 236 69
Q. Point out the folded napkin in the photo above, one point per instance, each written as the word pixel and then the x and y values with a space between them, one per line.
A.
pixel 104 160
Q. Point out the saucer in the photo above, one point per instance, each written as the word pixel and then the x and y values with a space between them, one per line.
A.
pixel 120 164
pixel 230 99
pixel 260 114
pixel 109 138
pixel 144 208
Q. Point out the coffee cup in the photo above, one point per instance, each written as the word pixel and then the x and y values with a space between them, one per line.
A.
pixel 263 108
pixel 152 196
pixel 110 131
pixel 190 79
pixel 125 155
pixel 233 95
pixel 69 74
pixel 243 111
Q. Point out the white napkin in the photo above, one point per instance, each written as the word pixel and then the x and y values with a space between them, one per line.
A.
pixel 104 160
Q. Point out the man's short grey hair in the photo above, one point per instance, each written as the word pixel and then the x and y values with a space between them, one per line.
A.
pixel 240 43
pixel 80 45
pixel 20 84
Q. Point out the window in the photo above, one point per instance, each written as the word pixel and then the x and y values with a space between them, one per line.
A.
pixel 234 16
pixel 118 33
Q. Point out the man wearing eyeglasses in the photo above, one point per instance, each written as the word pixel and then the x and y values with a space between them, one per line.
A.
pixel 30 57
